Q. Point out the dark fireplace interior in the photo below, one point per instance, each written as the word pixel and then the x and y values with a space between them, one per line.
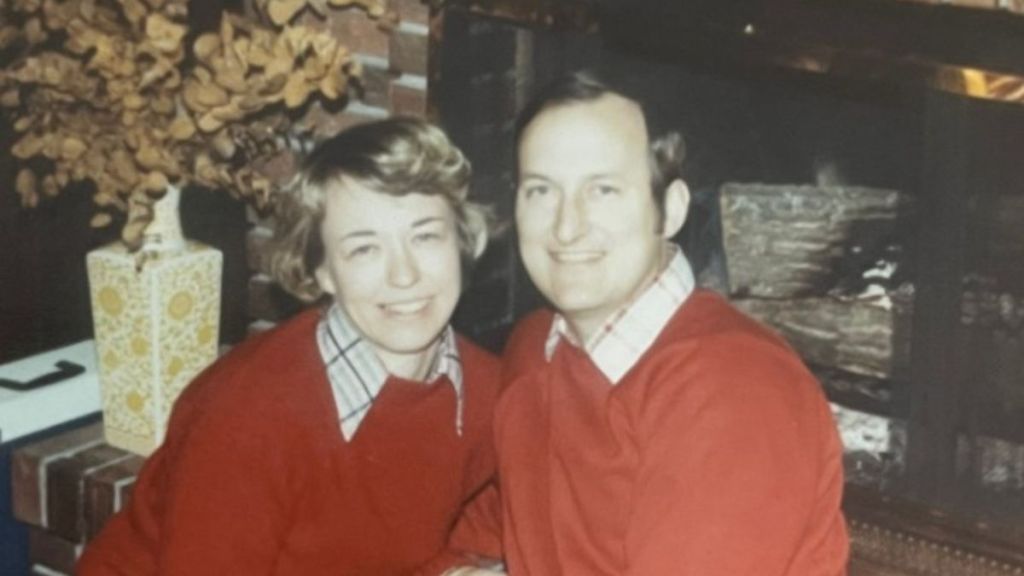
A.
pixel 849 188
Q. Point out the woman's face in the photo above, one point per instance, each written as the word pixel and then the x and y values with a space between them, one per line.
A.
pixel 392 263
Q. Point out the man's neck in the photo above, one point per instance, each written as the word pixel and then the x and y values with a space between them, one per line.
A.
pixel 584 324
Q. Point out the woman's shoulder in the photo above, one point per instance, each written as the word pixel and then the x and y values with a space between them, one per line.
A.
pixel 269 373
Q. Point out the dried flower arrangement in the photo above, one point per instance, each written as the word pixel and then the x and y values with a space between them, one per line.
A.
pixel 107 91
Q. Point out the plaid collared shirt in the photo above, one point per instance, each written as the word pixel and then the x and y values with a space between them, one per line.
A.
pixel 357 375
pixel 627 334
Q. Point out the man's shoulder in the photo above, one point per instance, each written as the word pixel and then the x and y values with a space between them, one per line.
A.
pixel 474 355
pixel 531 329
pixel 482 370
pixel 707 320
pixel 710 337
pixel 525 346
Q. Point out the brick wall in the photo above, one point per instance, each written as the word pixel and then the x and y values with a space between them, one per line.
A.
pixel 65 488
pixel 395 71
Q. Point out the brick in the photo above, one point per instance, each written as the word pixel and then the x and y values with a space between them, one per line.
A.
pixel 407 100
pixel 256 242
pixel 415 11
pixel 268 301
pixel 29 469
pixel 40 570
pixel 65 488
pixel 258 327
pixel 107 491
pixel 326 122
pixel 360 33
pixel 409 51
pixel 279 168
pixel 52 552
pixel 373 87
pixel 261 301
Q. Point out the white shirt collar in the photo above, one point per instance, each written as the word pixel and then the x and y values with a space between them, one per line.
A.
pixel 625 336
pixel 357 375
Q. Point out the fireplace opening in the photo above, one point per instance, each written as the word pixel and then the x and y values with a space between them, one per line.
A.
pixel 878 225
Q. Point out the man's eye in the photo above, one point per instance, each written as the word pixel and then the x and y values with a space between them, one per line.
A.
pixel 606 189
pixel 427 237
pixel 535 190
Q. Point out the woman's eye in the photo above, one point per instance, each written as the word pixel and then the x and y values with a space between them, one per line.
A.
pixel 361 250
pixel 606 189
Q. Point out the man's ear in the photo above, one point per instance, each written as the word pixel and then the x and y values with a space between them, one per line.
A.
pixel 677 206
pixel 324 279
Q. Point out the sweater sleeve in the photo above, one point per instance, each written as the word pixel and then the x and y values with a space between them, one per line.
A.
pixel 739 472
pixel 212 500
pixel 227 499
pixel 476 538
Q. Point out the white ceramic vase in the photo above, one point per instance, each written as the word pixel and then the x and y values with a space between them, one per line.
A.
pixel 156 317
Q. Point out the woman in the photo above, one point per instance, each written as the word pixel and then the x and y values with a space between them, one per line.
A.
pixel 346 440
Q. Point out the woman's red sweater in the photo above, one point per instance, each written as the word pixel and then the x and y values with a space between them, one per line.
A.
pixel 255 477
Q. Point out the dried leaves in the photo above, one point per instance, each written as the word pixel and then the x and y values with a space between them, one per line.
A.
pixel 105 91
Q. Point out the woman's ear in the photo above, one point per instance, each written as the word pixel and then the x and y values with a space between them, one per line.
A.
pixel 479 243
pixel 324 279
pixel 677 206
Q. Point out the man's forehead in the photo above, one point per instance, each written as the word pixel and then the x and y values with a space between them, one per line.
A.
pixel 611 108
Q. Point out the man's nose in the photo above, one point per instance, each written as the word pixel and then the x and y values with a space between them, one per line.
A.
pixel 570 219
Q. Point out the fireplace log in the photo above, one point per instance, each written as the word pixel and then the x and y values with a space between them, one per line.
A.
pixel 863 337
pixel 784 241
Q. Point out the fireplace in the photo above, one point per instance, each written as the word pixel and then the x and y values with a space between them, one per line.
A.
pixel 855 169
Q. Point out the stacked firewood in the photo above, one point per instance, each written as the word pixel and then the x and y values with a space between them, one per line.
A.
pixel 819 265
pixel 827 267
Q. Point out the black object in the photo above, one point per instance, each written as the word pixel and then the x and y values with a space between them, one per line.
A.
pixel 65 370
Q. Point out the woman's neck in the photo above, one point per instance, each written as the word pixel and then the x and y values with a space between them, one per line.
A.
pixel 410 366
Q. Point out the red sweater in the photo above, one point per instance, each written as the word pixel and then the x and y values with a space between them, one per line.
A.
pixel 716 454
pixel 255 477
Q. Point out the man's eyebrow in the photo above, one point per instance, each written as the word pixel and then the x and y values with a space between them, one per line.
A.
pixel 534 176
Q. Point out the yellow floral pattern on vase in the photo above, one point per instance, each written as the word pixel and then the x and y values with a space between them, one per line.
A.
pixel 156 328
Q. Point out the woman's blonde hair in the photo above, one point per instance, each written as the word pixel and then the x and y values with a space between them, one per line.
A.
pixel 396 156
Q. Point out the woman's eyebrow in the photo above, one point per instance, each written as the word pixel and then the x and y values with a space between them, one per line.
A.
pixel 427 220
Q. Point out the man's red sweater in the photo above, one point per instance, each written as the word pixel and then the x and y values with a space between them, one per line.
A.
pixel 715 455
pixel 255 477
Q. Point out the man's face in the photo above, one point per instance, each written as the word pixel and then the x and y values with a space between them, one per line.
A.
pixel 587 222
pixel 392 263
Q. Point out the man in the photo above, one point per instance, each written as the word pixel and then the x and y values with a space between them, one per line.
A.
pixel 646 427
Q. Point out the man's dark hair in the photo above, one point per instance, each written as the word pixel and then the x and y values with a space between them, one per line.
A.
pixel 665 153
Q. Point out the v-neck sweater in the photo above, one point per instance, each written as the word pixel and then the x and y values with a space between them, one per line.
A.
pixel 715 455
pixel 255 478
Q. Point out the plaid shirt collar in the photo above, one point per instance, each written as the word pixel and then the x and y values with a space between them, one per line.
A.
pixel 357 375
pixel 628 333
